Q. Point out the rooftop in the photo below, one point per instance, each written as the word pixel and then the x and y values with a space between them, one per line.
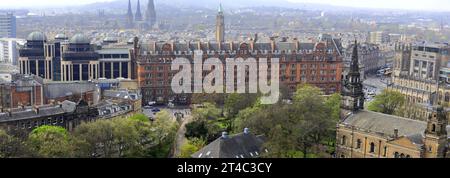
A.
pixel 243 145
pixel 384 125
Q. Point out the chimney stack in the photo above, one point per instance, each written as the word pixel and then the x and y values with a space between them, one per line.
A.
pixel 36 109
pixel 396 133
pixel 9 112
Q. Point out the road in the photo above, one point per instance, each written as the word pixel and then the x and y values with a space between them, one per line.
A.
pixel 180 137
pixel 375 85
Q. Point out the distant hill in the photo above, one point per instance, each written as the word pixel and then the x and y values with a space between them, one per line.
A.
pixel 212 4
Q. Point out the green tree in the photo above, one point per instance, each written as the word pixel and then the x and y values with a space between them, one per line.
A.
pixel 164 129
pixel 140 117
pixel 9 145
pixel 50 142
pixel 293 130
pixel 126 138
pixel 334 103
pixel 191 147
pixel 95 139
pixel 236 102
pixel 387 102
pixel 208 123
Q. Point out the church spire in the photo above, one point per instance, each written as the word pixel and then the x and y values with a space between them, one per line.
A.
pixel 355 61
pixel 138 16
pixel 150 13
pixel 352 88
pixel 129 15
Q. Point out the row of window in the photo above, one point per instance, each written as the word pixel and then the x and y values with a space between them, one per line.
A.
pixel 372 148
pixel 305 79
pixel 282 66
pixel 35 124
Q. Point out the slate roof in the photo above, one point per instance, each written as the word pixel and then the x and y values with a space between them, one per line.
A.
pixel 385 125
pixel 238 146
pixel 121 94
pixel 44 111
pixel 63 89
pixel 214 46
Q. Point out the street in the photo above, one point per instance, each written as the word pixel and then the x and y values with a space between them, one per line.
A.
pixel 180 138
pixel 374 85
pixel 172 111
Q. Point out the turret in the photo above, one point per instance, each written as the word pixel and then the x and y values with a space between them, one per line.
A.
pixel 435 139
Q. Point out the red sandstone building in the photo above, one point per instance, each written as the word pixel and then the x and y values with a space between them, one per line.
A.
pixel 22 91
pixel 319 64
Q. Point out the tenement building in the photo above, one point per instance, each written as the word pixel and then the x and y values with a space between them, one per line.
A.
pixel 22 90
pixel 366 134
pixel 317 63
pixel 369 56
pixel 67 114
pixel 421 72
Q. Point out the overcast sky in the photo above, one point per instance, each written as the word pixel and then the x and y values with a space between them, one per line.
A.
pixel 442 5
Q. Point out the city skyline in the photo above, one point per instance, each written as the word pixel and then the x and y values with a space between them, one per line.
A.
pixel 431 5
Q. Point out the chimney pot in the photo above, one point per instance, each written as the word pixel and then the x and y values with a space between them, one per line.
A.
pixel 395 133
pixel 9 112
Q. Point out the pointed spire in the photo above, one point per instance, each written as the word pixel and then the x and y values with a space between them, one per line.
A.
pixel 355 61
pixel 220 8
pixel 138 16
pixel 130 11
pixel 129 15
pixel 150 13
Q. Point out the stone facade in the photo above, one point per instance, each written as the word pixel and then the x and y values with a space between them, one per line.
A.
pixel 319 64
pixel 366 134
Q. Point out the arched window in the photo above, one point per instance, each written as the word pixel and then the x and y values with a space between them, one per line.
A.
pixel 402 155
pixel 396 155
pixel 433 128
pixel 372 147
pixel 358 144
pixel 344 140
pixel 408 156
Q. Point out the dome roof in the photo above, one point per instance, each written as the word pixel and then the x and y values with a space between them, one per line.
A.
pixel 36 36
pixel 61 36
pixel 79 39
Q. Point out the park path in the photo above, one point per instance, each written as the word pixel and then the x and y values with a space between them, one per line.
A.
pixel 180 137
